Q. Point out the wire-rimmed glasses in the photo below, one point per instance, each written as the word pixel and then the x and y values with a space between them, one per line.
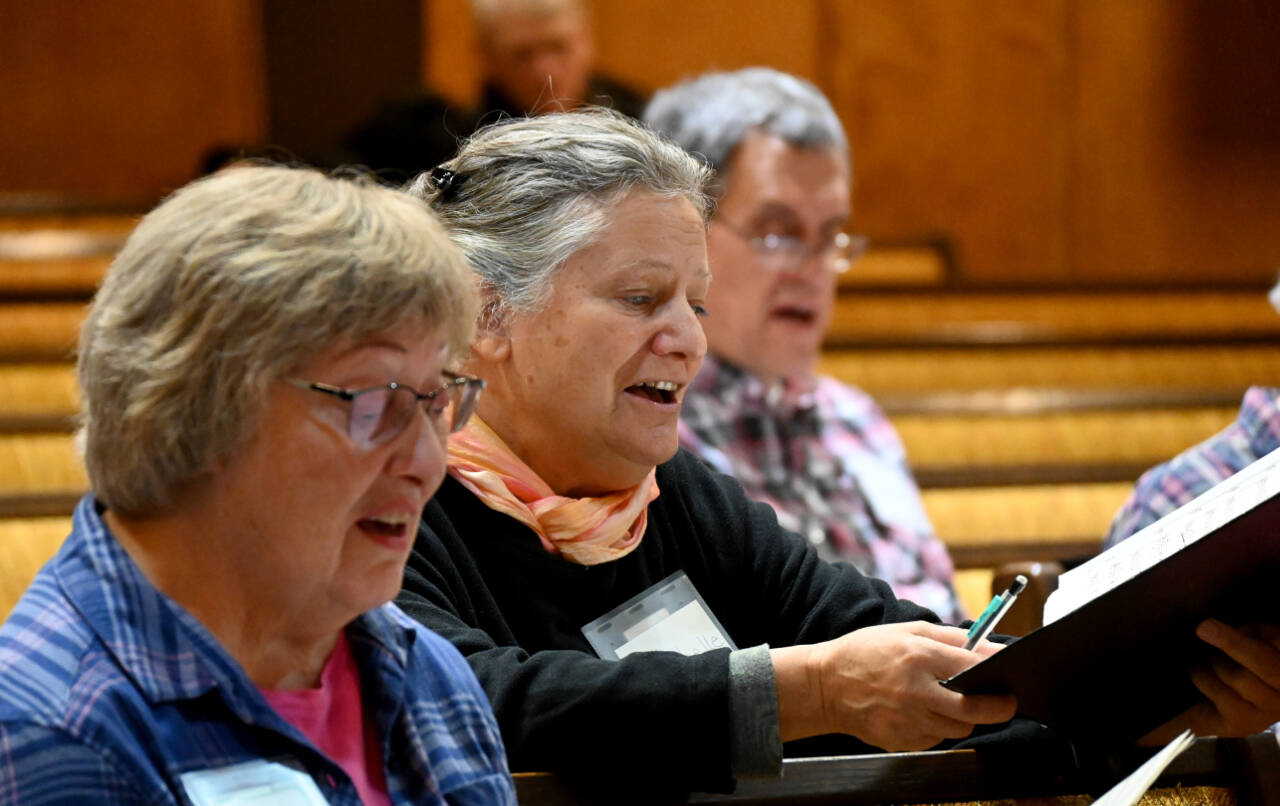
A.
pixel 378 414
pixel 789 252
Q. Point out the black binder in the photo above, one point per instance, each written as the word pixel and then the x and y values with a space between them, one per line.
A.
pixel 1119 665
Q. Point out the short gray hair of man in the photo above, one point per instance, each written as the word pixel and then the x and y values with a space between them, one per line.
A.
pixel 233 282
pixel 525 194
pixel 710 114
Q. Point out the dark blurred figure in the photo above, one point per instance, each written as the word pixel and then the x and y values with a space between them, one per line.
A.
pixel 537 57
pixel 223 155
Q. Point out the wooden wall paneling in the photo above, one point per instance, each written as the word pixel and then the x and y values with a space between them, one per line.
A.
pixel 959 118
pixel 330 64
pixel 1177 157
pixel 449 63
pixel 653 43
pixel 645 43
pixel 121 99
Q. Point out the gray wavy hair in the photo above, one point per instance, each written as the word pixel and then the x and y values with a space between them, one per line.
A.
pixel 524 195
pixel 710 114
pixel 232 282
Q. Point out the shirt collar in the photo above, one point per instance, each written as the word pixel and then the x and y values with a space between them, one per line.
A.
pixel 741 390
pixel 165 650
pixel 1260 418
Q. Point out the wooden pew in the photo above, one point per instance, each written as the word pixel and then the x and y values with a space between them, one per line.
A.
pixel 921 264
pixel 1212 772
pixel 26 544
pixel 58 256
pixel 885 319
pixel 40 331
pixel 907 376
pixel 37 396
pixel 954 449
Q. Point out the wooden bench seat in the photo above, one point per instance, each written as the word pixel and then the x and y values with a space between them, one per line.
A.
pixel 72 277
pixel 988 526
pixel 910 372
pixel 1212 772
pixel 905 265
pixel 40 462
pixel 26 544
pixel 49 256
pixel 38 395
pixel 1025 317
pixel 114 227
pixel 1104 445
pixel 40 331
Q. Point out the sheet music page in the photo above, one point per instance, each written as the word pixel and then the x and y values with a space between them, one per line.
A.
pixel 1201 516
pixel 1132 788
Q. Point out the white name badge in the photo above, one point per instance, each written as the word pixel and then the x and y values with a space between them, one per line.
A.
pixel 670 616
pixel 253 783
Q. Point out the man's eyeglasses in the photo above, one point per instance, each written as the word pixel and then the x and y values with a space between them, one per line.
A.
pixel 380 413
pixel 790 252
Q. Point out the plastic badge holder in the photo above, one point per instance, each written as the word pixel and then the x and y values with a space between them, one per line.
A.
pixel 669 616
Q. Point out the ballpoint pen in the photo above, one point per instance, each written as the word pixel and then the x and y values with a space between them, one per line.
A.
pixel 994 612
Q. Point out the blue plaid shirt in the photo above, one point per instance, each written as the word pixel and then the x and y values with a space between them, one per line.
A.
pixel 109 691
pixel 1164 488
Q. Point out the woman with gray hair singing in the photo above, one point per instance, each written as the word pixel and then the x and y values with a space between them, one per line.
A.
pixel 266 396
pixel 629 612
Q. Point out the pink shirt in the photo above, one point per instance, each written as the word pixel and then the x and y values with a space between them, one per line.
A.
pixel 333 718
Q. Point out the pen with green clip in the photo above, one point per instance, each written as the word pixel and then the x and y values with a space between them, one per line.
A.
pixel 994 612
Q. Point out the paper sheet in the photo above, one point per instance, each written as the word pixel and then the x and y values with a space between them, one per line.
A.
pixel 1132 788
pixel 1220 504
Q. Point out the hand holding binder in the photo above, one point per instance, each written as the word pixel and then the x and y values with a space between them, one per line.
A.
pixel 1119 658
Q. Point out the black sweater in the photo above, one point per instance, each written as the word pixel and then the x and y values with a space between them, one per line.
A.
pixel 484 582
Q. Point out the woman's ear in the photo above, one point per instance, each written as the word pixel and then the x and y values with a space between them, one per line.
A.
pixel 492 343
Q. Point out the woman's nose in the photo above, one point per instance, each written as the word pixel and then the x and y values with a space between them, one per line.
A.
pixel 420 448
pixel 682 335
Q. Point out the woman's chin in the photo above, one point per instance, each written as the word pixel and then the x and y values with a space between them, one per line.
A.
pixel 650 453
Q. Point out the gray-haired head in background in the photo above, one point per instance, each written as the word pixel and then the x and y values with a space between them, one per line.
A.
pixel 710 114
pixel 524 195
pixel 231 283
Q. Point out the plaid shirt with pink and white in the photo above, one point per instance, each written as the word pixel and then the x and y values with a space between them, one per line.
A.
pixel 833 468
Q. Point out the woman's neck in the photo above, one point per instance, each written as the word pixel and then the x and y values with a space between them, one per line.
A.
pixel 281 645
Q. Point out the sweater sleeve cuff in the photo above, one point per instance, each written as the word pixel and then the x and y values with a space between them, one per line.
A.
pixel 755 749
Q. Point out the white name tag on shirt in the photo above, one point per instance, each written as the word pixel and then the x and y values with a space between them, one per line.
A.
pixel 253 783
pixel 671 616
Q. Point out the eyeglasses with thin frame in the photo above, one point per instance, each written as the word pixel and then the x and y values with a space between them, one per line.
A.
pixel 789 252
pixel 378 414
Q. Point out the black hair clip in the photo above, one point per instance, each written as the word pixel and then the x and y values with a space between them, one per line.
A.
pixel 446 181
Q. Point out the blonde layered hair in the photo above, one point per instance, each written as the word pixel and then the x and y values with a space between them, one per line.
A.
pixel 231 283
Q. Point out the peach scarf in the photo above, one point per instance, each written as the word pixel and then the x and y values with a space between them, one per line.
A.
pixel 586 531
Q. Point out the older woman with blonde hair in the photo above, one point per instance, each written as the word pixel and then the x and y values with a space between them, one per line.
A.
pixel 266 393
pixel 579 561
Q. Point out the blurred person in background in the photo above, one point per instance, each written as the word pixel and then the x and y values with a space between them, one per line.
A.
pixel 216 624
pixel 538 56
pixel 821 452
pixel 535 56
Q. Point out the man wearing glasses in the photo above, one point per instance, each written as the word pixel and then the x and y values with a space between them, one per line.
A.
pixel 820 452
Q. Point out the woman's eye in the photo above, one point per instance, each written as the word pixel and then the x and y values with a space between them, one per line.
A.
pixel 699 311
